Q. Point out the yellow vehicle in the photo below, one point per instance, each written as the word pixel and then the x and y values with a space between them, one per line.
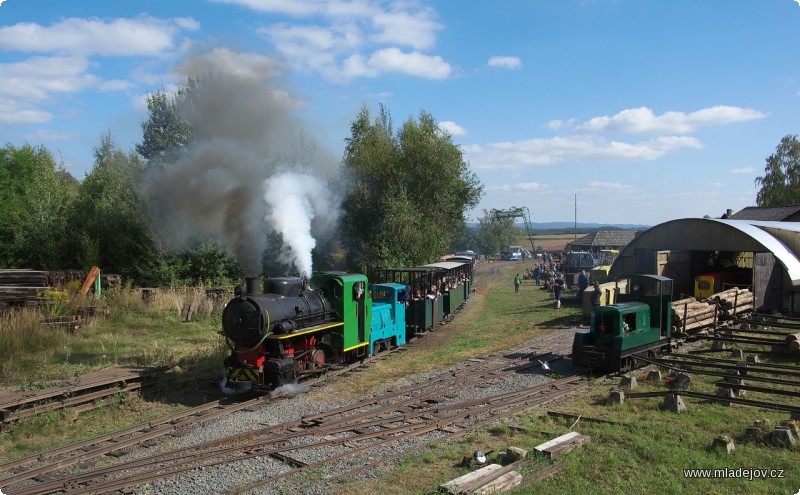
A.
pixel 709 284
pixel 600 272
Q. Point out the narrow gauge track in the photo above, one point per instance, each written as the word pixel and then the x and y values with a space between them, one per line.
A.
pixel 385 411
pixel 370 429
pixel 81 392
pixel 117 441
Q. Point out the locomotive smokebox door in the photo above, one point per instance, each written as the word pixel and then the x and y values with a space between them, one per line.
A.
pixel 242 322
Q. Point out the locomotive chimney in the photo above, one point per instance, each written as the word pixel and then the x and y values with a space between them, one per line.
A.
pixel 253 285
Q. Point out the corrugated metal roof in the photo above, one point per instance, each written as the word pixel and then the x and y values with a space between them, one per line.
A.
pixel 708 234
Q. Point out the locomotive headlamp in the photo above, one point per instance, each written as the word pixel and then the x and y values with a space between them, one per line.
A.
pixel 636 288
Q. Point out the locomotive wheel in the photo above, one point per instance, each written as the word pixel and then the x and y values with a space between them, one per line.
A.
pixel 317 361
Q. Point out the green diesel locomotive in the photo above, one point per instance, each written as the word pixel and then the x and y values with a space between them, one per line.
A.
pixel 638 325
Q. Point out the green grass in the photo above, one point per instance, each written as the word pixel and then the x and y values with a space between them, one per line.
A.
pixel 136 333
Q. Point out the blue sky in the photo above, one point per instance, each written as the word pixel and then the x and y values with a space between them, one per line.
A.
pixel 646 110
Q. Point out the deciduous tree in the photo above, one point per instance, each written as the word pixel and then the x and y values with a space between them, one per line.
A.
pixel 780 184
pixel 407 192
pixel 35 193
pixel 165 133
pixel 494 233
pixel 109 224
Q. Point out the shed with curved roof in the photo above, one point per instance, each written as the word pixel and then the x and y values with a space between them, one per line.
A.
pixel 769 252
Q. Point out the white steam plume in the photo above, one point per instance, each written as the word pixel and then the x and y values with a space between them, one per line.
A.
pixel 294 200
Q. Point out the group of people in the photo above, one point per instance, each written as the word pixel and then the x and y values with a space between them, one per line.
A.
pixel 422 291
pixel 554 282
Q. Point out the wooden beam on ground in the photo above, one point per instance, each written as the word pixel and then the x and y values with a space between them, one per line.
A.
pixel 562 444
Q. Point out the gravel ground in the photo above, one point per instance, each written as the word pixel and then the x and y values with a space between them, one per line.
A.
pixel 230 477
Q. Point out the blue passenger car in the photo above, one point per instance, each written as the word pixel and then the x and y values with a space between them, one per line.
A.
pixel 388 317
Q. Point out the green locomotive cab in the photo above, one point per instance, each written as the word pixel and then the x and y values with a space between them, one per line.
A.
pixel 350 301
pixel 638 325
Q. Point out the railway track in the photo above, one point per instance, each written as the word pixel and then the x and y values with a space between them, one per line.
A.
pixel 81 393
pixel 426 408
pixel 118 442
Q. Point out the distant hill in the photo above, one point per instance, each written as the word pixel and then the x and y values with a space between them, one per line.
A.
pixel 554 227
pixel 585 226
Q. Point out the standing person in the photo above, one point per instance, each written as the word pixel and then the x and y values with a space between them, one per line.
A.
pixel 596 295
pixel 537 273
pixel 558 289
pixel 517 283
pixel 583 284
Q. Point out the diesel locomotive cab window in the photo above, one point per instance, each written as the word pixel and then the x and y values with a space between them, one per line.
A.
pixel 629 322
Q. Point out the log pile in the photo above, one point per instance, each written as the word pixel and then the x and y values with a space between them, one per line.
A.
pixel 733 301
pixel 20 287
pixel 690 314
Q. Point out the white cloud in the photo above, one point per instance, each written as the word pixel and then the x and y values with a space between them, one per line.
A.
pixel 393 60
pixel 125 37
pixel 363 38
pixel 571 149
pixel 716 184
pixel 13 112
pixel 299 8
pixel 558 125
pixel 505 62
pixel 521 186
pixel 642 120
pixel 743 170
pixel 607 186
pixel 32 80
pixel 416 29
pixel 186 23
pixel 62 62
pixel 452 128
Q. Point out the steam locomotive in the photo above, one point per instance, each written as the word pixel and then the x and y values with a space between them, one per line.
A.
pixel 297 327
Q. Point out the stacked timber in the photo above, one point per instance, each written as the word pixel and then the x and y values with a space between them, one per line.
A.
pixel 733 302
pixel 60 278
pixel 21 286
pixel 690 315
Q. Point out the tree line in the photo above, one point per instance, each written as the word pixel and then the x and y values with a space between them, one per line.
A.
pixel 406 194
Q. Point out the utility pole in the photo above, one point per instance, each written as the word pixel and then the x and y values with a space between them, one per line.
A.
pixel 576 218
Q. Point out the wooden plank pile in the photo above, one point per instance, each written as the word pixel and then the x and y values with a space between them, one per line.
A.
pixel 690 314
pixel 19 287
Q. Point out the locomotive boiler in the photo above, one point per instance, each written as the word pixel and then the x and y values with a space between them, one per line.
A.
pixel 286 306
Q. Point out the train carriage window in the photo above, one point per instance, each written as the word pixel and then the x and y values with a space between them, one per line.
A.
pixel 336 290
pixel 381 295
